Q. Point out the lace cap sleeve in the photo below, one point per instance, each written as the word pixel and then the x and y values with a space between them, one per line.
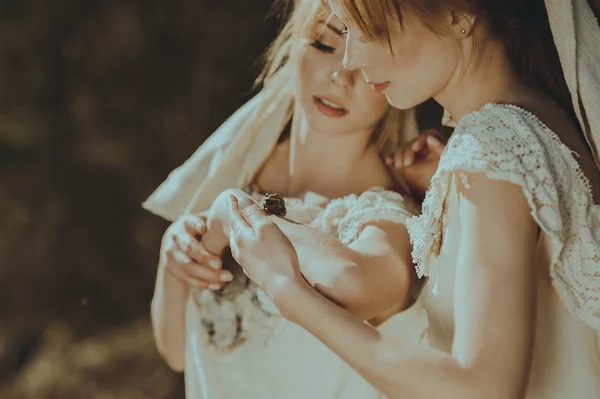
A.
pixel 347 217
pixel 507 143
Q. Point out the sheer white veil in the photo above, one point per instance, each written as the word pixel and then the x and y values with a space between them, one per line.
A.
pixel 577 37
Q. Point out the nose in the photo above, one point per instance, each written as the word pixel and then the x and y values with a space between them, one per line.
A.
pixel 343 77
pixel 351 55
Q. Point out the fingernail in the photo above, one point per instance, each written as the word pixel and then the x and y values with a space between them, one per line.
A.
pixel 244 202
pixel 226 276
pixel 407 161
pixel 415 146
pixel 214 264
pixel 214 287
pixel 433 141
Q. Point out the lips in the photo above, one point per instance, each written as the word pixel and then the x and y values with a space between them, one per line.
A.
pixel 379 87
pixel 329 107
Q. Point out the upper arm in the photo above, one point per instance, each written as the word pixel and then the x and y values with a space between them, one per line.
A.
pixel 383 271
pixel 367 276
pixel 495 283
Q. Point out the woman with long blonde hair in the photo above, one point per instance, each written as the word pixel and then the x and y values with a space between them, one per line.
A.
pixel 315 135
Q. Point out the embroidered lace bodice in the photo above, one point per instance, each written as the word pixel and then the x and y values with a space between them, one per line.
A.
pixel 505 142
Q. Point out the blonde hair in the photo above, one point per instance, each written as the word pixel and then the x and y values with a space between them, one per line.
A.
pixel 394 128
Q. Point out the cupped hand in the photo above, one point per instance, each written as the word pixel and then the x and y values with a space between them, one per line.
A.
pixel 184 257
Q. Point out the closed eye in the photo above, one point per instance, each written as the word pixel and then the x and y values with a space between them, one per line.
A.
pixel 322 47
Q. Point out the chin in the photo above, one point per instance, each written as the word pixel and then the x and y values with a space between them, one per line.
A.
pixel 325 126
pixel 403 102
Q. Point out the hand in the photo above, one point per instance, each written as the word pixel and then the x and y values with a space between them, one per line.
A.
pixel 184 257
pixel 418 160
pixel 260 247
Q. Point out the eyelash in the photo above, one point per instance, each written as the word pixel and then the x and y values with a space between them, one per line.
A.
pixel 322 47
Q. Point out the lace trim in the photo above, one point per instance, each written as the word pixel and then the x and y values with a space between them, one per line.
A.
pixel 348 216
pixel 508 143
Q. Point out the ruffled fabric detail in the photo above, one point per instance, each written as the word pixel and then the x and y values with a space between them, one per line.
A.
pixel 508 143
pixel 347 217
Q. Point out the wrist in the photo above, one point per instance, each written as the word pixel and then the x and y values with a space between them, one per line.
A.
pixel 216 238
pixel 286 293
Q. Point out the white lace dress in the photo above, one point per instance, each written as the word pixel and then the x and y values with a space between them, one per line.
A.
pixel 508 143
pixel 239 347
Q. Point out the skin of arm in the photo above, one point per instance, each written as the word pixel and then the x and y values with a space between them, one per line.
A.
pixel 168 319
pixel 366 277
pixel 494 309
pixel 187 269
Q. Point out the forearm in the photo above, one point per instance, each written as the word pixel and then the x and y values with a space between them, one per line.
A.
pixel 351 279
pixel 342 274
pixel 168 318
pixel 397 369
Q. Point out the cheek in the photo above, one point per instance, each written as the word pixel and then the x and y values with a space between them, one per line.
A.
pixel 309 69
pixel 409 53
pixel 422 67
pixel 303 64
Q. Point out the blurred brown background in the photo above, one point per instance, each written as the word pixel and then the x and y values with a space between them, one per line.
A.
pixel 99 100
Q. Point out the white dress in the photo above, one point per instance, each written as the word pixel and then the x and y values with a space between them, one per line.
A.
pixel 507 143
pixel 239 347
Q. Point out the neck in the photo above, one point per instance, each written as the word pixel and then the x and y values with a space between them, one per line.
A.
pixel 488 77
pixel 317 159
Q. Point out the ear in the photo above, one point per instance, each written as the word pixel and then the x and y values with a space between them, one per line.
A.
pixel 461 24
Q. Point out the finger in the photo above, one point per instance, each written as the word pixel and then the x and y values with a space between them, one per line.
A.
pixel 234 245
pixel 207 274
pixel 194 248
pixel 407 158
pixel 201 272
pixel 198 253
pixel 399 158
pixel 435 145
pixel 389 159
pixel 175 270
pixel 419 142
pixel 195 223
pixel 252 214
pixel 189 245
pixel 235 250
pixel 195 283
pixel 237 221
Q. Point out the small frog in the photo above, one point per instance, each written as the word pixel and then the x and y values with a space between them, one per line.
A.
pixel 274 204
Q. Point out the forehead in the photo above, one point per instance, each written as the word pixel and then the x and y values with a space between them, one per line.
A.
pixel 335 21
pixel 326 20
pixel 337 11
